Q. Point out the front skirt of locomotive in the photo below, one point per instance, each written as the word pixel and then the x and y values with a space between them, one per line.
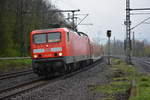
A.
pixel 48 66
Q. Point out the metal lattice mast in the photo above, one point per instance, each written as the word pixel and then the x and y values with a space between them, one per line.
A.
pixel 128 31
pixel 128 46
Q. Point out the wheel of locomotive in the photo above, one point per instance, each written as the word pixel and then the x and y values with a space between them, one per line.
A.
pixel 49 73
pixel 76 66
pixel 36 69
pixel 63 69
pixel 82 63
pixel 91 61
pixel 68 68
pixel 88 62
pixel 72 67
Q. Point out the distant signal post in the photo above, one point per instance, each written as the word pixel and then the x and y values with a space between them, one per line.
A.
pixel 109 35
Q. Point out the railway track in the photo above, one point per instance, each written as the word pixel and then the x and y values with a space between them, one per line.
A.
pixel 37 83
pixel 144 63
pixel 21 88
pixel 15 74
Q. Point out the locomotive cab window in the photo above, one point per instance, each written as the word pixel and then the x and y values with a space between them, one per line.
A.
pixel 54 37
pixel 39 38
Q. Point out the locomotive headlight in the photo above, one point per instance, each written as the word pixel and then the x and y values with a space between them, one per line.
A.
pixel 35 56
pixel 56 49
pixel 60 54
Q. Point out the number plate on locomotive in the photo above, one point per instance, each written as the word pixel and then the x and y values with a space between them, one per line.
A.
pixel 38 50
pixel 56 49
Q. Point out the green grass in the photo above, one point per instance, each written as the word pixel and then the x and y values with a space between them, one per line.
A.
pixel 124 71
pixel 143 86
pixel 9 65
pixel 112 88
pixel 107 98
pixel 120 76
pixel 128 72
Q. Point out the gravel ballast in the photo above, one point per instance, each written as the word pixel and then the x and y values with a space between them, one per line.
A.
pixel 72 88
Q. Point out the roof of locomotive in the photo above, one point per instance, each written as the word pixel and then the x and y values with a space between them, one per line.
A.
pixel 56 29
pixel 51 29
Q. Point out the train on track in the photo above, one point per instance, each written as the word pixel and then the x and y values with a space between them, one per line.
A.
pixel 61 50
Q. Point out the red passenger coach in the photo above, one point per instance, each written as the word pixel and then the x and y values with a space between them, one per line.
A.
pixel 96 50
pixel 58 50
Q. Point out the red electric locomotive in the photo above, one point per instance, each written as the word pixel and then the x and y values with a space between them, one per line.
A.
pixel 60 50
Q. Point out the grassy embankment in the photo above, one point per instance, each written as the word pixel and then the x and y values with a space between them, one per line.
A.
pixel 143 88
pixel 13 65
pixel 121 78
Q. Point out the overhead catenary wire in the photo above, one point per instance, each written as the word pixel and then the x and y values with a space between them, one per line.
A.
pixel 82 20
pixel 140 9
pixel 140 13
pixel 140 23
pixel 147 23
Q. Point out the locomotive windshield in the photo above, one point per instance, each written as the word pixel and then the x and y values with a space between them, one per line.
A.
pixel 47 38
pixel 40 38
pixel 53 37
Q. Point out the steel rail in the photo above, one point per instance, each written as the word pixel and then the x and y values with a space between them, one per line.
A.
pixel 9 73
pixel 8 92
pixel 144 64
pixel 15 74
pixel 14 58
pixel 4 94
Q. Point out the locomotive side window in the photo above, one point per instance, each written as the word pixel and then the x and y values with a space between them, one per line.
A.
pixel 68 36
pixel 39 38
pixel 54 37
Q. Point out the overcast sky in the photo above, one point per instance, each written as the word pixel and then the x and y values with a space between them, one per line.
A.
pixel 108 14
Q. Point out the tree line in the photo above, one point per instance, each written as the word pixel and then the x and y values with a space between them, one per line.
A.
pixel 138 49
pixel 18 18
